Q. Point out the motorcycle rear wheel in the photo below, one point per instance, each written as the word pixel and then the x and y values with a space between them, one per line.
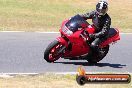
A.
pixel 51 52
pixel 98 57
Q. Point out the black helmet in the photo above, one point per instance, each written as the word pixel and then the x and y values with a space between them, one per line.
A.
pixel 102 7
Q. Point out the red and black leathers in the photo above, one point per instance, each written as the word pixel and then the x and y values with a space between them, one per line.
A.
pixel 102 25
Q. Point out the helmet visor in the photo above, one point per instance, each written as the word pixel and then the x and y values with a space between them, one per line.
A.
pixel 102 11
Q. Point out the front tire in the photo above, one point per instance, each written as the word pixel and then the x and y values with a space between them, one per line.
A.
pixel 50 54
pixel 98 57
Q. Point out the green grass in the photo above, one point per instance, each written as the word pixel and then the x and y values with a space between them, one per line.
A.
pixel 47 15
pixel 52 81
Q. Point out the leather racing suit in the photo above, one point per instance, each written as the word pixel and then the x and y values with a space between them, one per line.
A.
pixel 102 25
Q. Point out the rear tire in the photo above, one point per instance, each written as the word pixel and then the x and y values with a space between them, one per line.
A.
pixel 98 57
pixel 48 51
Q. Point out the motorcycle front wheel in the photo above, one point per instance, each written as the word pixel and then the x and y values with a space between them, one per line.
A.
pixel 51 52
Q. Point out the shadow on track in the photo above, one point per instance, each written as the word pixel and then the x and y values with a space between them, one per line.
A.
pixel 97 64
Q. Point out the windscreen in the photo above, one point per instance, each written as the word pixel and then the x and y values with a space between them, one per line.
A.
pixel 75 22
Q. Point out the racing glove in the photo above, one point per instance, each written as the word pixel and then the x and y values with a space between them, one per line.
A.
pixel 92 36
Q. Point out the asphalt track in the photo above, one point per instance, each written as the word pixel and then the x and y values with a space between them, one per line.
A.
pixel 22 52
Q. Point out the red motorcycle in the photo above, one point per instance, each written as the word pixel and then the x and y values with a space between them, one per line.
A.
pixel 73 43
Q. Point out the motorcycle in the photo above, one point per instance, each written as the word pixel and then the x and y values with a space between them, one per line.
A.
pixel 74 42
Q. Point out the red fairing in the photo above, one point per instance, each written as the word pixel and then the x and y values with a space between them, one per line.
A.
pixel 79 46
pixel 90 29
pixel 111 39
pixel 62 41
pixel 63 23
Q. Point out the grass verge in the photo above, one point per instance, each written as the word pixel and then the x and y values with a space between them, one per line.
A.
pixel 47 15
pixel 51 81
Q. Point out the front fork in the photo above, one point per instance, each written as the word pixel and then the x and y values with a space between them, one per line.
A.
pixel 64 45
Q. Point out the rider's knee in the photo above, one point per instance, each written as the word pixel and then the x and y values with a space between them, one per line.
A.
pixel 94 44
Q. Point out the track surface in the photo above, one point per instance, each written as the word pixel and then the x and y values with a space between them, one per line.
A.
pixel 23 53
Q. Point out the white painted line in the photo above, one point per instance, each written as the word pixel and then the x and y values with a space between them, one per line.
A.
pixel 12 31
pixel 6 76
pixel 47 32
pixel 65 73
pixel 19 73
pixel 10 75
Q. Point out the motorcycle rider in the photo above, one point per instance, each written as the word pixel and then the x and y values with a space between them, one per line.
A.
pixel 101 21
